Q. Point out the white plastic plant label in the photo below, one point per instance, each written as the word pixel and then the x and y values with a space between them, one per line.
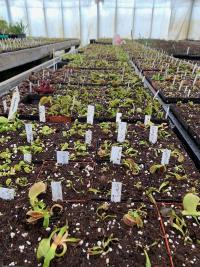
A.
pixel 153 134
pixel 116 154
pixel 156 95
pixel 88 137
pixel 7 193
pixel 30 87
pixel 121 132
pixel 42 115
pixel 165 156
pixel 14 104
pixel 28 157
pixel 147 119
pixel 116 191
pixel 29 132
pixel 5 107
pixel 56 189
pixel 167 112
pixel 90 114
pixel 118 117
pixel 62 157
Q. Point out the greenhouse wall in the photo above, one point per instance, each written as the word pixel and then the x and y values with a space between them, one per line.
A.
pixel 86 19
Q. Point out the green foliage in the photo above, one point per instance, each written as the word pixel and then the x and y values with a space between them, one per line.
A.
pixel 190 204
pixel 104 248
pixel 48 246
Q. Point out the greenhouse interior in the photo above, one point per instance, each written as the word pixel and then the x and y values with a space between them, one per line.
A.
pixel 100 133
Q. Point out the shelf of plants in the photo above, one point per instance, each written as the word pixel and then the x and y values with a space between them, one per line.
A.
pixel 17 52
pixel 92 173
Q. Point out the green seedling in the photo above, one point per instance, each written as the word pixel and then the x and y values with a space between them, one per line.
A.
pixel 59 238
pixel 102 212
pixel 104 247
pixel 135 217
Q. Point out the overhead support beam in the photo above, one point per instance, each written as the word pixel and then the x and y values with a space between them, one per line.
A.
pixel 8 11
pixel 115 22
pixel 45 19
pixel 133 22
pixel 80 20
pixel 27 17
pixel 152 16
pixel 98 20
pixel 62 16
pixel 170 19
pixel 190 18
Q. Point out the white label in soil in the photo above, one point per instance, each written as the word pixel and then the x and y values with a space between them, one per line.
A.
pixel 156 95
pixel 165 156
pixel 7 193
pixel 153 134
pixel 167 112
pixel 90 114
pixel 42 113
pixel 29 132
pixel 62 157
pixel 116 153
pixel 28 158
pixel 121 132
pixel 118 117
pixel 5 107
pixel 14 105
pixel 30 87
pixel 88 137
pixel 56 189
pixel 147 119
pixel 116 191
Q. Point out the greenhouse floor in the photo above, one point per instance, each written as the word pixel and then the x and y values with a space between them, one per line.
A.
pixel 94 171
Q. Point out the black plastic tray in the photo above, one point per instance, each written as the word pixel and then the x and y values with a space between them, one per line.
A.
pixel 173 100
pixel 190 131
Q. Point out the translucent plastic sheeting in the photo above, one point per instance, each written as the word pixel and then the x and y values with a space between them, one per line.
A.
pixel 87 19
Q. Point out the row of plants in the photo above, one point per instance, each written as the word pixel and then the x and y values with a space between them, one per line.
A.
pixel 175 79
pixel 14 44
pixel 179 84
pixel 64 212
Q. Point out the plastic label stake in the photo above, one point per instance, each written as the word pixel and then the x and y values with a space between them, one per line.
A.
pixel 62 157
pixel 116 154
pixel 14 104
pixel 118 117
pixel 7 193
pixel 30 87
pixel 42 114
pixel 116 191
pixel 90 114
pixel 165 156
pixel 29 132
pixel 153 134
pixel 156 95
pixel 56 189
pixel 28 157
pixel 121 132
pixel 167 112
pixel 5 107
pixel 88 137
pixel 147 119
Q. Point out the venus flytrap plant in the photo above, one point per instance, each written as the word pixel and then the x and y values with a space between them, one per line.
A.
pixel 103 247
pixel 131 165
pixel 58 239
pixel 101 212
pixel 39 210
pixel 190 205
pixel 135 217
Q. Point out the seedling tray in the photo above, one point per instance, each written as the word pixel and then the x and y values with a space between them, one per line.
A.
pixel 173 100
pixel 190 131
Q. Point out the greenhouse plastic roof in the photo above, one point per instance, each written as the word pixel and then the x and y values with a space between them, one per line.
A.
pixel 87 19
